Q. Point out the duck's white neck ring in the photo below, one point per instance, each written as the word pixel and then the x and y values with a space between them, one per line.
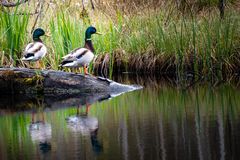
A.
pixel 89 39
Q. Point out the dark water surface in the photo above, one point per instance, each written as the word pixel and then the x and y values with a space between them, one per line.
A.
pixel 161 121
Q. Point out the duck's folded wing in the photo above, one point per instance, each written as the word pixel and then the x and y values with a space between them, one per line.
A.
pixel 41 52
pixel 37 50
pixel 77 53
pixel 70 59
pixel 30 45
pixel 33 47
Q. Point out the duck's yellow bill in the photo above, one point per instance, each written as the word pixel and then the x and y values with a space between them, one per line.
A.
pixel 47 35
pixel 98 33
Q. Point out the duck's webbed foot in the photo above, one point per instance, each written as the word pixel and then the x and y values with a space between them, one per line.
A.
pixel 86 70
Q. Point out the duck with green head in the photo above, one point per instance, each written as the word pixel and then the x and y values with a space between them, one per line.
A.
pixel 36 50
pixel 81 57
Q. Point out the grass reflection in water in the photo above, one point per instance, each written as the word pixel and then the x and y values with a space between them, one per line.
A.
pixel 162 122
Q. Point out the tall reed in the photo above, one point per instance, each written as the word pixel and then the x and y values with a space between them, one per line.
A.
pixel 67 34
pixel 13 33
pixel 146 38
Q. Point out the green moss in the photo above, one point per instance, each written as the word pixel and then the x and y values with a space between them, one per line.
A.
pixel 33 84
pixel 36 80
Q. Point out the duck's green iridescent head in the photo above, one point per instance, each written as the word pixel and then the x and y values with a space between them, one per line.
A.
pixel 37 33
pixel 90 30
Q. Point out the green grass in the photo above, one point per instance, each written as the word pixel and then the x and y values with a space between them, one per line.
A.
pixel 66 34
pixel 13 33
pixel 149 37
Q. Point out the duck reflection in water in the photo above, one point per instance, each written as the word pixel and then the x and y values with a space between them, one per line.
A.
pixel 86 125
pixel 40 131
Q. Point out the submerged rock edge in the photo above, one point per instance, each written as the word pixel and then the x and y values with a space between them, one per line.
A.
pixel 31 81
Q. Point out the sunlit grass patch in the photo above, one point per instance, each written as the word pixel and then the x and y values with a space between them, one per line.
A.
pixel 142 39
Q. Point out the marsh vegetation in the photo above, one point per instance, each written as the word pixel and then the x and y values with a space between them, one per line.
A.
pixel 172 37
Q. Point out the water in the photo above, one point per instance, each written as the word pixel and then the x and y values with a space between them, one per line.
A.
pixel 162 121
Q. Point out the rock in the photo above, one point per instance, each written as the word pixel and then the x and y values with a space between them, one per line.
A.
pixel 51 82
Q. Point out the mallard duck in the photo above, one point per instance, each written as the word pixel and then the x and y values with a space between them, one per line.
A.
pixel 39 129
pixel 86 125
pixel 81 57
pixel 36 50
pixel 81 122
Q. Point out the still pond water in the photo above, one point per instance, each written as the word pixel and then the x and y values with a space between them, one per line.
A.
pixel 161 121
